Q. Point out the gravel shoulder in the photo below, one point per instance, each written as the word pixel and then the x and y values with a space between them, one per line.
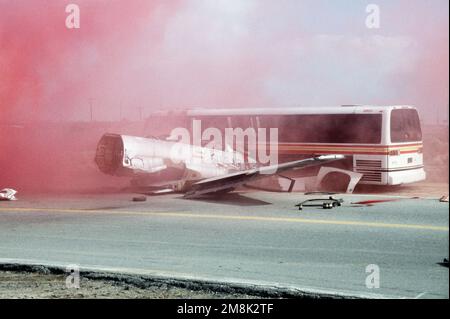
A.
pixel 32 285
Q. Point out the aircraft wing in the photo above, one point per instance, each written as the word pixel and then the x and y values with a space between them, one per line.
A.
pixel 228 182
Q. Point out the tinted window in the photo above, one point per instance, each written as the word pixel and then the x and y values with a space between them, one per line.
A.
pixel 405 126
pixel 241 121
pixel 326 128
pixel 219 122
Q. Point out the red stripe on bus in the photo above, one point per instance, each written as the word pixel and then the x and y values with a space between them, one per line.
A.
pixel 328 152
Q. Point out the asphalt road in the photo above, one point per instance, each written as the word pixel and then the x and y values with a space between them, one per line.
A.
pixel 256 237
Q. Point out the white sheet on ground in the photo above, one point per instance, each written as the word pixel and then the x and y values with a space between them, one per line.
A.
pixel 8 194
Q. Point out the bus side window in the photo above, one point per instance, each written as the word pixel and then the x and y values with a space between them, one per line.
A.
pixel 257 122
pixel 262 119
pixel 241 121
pixel 219 122
pixel 269 121
pixel 253 122
pixel 290 127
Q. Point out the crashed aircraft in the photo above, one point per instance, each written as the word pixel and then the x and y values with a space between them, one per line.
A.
pixel 163 166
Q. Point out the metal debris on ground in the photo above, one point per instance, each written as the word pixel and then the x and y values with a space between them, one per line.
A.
pixel 444 199
pixel 320 193
pixel 325 203
pixel 444 263
pixel 374 201
pixel 8 194
pixel 139 199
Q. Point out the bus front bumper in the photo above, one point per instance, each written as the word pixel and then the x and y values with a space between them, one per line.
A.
pixel 407 176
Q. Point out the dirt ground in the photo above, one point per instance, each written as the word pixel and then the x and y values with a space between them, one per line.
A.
pixel 420 189
pixel 27 285
pixel 436 153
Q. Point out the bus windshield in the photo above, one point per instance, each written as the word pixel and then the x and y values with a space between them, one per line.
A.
pixel 405 126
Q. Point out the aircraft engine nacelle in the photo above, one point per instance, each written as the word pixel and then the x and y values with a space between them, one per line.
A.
pixel 127 155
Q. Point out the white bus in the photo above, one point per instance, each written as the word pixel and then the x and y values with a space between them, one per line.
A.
pixel 384 143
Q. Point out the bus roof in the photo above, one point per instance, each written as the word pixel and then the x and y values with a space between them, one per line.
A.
pixel 344 109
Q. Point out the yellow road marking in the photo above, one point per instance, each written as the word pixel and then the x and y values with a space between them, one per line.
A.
pixel 231 217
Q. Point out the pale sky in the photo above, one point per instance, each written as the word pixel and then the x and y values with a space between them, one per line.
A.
pixel 222 53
